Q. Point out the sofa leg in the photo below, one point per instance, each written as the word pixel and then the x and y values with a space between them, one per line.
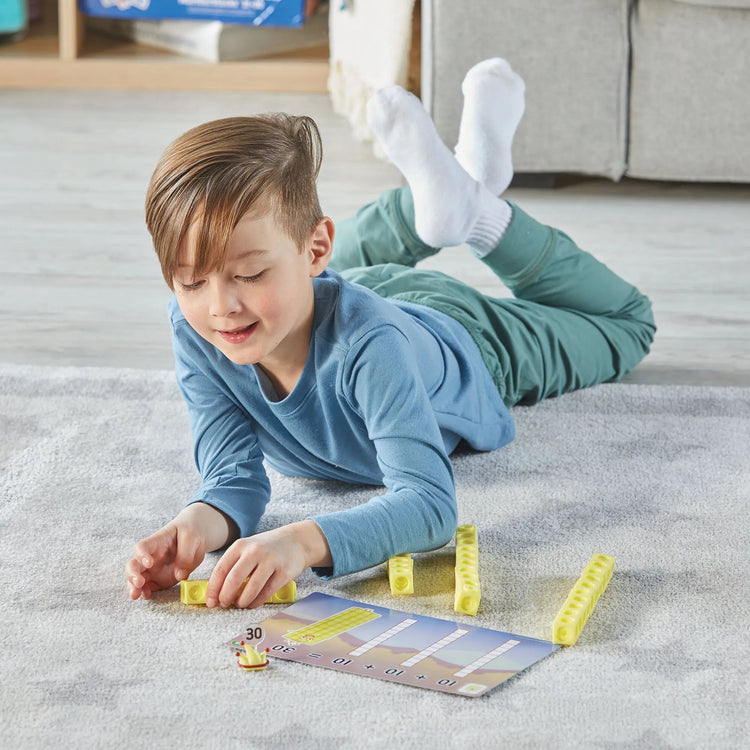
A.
pixel 539 180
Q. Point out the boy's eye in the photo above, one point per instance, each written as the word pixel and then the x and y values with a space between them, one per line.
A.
pixel 190 287
pixel 251 279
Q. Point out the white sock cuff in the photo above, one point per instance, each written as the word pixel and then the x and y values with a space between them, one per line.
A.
pixel 494 218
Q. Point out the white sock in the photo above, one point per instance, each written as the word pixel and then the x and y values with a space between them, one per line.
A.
pixel 493 107
pixel 450 207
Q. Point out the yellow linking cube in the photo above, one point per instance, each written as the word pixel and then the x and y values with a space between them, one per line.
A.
pixel 285 595
pixel 582 599
pixel 468 592
pixel 194 592
pixel 401 574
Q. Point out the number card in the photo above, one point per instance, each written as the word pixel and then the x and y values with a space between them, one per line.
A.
pixel 349 636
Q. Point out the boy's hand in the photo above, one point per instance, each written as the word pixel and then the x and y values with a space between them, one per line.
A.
pixel 268 561
pixel 173 552
pixel 163 559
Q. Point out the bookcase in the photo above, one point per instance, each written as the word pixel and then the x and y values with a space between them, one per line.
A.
pixel 59 52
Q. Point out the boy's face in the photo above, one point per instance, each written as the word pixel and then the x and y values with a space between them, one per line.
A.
pixel 258 308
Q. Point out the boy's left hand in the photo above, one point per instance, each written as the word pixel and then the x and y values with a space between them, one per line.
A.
pixel 256 567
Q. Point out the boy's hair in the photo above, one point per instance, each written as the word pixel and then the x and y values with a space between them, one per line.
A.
pixel 216 172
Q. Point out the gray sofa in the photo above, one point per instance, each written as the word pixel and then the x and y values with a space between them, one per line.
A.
pixel 654 89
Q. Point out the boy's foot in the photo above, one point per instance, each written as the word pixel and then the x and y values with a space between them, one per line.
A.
pixel 450 207
pixel 493 106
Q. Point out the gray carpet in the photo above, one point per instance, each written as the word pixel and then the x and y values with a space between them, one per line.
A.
pixel 93 459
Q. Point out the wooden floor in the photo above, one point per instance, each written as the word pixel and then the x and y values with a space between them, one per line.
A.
pixel 80 284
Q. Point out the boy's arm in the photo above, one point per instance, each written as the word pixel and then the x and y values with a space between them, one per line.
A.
pixel 234 482
pixel 225 446
pixel 418 510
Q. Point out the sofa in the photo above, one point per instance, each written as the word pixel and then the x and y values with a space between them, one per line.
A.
pixel 652 89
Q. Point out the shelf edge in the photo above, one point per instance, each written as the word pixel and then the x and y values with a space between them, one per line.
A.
pixel 294 76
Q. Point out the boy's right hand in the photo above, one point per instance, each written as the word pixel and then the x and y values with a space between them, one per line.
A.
pixel 164 558
pixel 176 550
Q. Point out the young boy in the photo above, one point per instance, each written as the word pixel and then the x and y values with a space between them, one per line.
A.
pixel 372 374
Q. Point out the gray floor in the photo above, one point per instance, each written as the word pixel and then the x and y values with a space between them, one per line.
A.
pixel 80 284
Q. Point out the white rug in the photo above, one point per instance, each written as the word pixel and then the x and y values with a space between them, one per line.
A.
pixel 93 459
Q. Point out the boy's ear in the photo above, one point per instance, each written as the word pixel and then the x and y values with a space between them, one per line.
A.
pixel 321 245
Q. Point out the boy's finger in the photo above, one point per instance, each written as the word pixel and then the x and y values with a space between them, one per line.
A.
pixel 136 589
pixel 235 568
pixel 247 592
pixel 218 576
pixel 186 558
pixel 263 593
pixel 132 567
pixel 215 582
pixel 260 578
pixel 136 580
pixel 141 556
pixel 236 583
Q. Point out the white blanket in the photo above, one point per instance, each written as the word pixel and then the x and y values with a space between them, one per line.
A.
pixel 370 42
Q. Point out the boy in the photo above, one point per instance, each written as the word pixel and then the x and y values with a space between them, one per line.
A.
pixel 282 359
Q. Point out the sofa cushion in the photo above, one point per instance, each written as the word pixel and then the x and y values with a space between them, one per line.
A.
pixel 690 92
pixel 573 57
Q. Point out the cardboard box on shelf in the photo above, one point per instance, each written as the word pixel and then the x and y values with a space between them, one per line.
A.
pixel 215 41
pixel 255 12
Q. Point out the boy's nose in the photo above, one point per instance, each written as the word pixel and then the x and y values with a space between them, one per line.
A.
pixel 223 301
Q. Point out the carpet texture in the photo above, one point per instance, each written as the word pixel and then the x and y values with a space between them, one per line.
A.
pixel 92 460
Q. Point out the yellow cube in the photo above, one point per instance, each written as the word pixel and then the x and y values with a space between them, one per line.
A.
pixel 193 592
pixel 468 591
pixel 401 574
pixel 582 599
pixel 285 595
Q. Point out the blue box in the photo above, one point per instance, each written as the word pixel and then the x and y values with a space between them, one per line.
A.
pixel 253 12
pixel 13 16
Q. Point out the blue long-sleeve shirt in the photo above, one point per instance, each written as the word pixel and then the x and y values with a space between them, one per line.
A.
pixel 387 392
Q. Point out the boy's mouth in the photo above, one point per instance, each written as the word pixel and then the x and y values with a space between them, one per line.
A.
pixel 238 335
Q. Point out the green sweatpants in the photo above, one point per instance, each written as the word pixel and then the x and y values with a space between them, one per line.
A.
pixel 573 322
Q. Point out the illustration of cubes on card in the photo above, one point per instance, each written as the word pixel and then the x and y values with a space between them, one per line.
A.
pixel 401 574
pixel 468 591
pixel 582 599
pixel 332 626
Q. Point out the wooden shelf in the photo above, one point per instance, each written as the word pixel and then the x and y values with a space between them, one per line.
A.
pixel 58 54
